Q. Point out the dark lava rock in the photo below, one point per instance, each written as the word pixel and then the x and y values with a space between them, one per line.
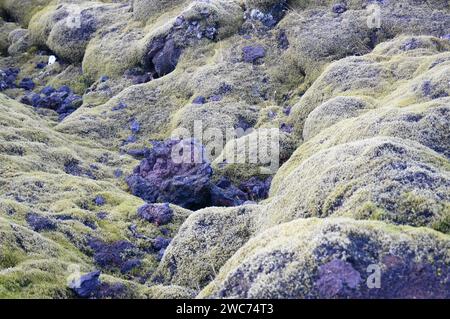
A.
pixel 199 100
pixel 62 100
pixel 224 193
pixel 283 42
pixel 255 188
pixel 118 173
pixel 161 243
pixel 135 127
pixel 337 278
pixel 287 128
pixel 41 65
pixel 39 223
pixel 159 214
pixel 119 107
pixel 113 255
pixel 73 167
pixel 103 78
pixel 270 18
pixel 86 285
pixel 339 8
pixel 8 78
pixel 115 290
pixel 27 84
pixel 410 44
pixel 31 99
pixel 102 215
pixel 216 98
pixel 173 171
pixel 99 200
pixel 70 103
pixel 162 56
pixel 47 90
pixel 166 59
pixel 138 75
pixel 129 265
pixel 252 54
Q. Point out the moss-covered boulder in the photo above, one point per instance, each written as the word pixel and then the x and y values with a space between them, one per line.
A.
pixel 392 179
pixel 204 243
pixel 337 258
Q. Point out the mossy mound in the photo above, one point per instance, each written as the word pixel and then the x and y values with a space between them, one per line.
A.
pixel 337 258
pixel 396 79
pixel 391 179
pixel 426 123
pixel 204 243
pixel 258 153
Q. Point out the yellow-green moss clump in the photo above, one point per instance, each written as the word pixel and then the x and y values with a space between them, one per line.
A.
pixel 388 172
pixel 204 243
pixel 336 258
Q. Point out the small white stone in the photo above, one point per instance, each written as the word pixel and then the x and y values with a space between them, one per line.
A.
pixel 51 60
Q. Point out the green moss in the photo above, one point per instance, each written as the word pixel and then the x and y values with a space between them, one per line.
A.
pixel 443 225
pixel 10 257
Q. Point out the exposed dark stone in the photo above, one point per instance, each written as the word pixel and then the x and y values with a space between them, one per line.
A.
pixel 113 255
pixel 162 56
pixel 129 265
pixel 337 278
pixel 31 98
pixel 119 106
pixel 339 8
pixel 138 75
pixel 70 103
pixel 166 59
pixel 72 167
pixel 243 124
pixel 411 44
pixel 287 128
pixel 215 98
pixel 8 78
pixel 282 39
pixel 173 171
pixel 39 223
pixel 103 78
pixel 118 173
pixel 27 84
pixel 99 200
pixel 159 214
pixel 270 18
pixel 47 90
pixel 199 100
pixel 86 285
pixel 62 100
pixel 227 195
pixel 255 188
pixel 102 215
pixel 210 33
pixel 252 54
pixel 426 88
pixel 135 127
pixel 41 65
pixel 161 243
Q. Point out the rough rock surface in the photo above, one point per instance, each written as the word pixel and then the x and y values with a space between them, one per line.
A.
pixel 95 94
